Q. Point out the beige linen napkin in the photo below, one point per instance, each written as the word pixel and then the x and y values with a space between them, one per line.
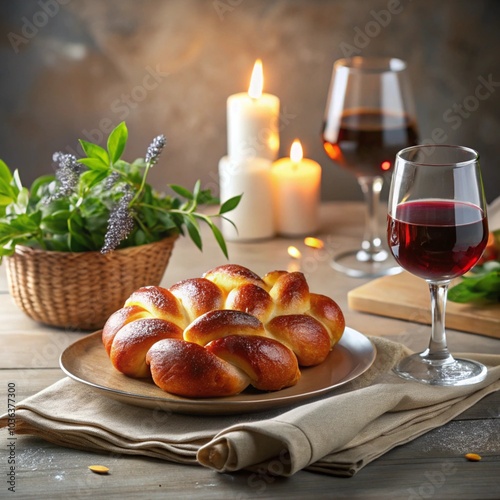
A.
pixel 336 434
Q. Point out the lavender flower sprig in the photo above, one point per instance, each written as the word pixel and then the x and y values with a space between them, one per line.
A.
pixel 111 180
pixel 152 154
pixel 120 223
pixel 67 173
pixel 155 149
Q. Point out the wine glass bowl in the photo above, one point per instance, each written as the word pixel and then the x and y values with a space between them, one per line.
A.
pixel 437 230
pixel 369 117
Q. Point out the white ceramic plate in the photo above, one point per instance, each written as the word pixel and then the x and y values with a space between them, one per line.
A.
pixel 86 361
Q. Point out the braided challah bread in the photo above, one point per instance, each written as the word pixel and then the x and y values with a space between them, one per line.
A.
pixel 216 335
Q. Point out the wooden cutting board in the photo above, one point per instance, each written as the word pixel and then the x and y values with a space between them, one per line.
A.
pixel 405 296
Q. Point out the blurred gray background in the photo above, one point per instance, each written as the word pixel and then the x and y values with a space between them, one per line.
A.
pixel 73 69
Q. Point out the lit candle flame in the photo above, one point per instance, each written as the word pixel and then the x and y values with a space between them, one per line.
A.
pixel 256 81
pixel 294 252
pixel 296 153
pixel 313 242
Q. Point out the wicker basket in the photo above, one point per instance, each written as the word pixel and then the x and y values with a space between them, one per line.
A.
pixel 80 290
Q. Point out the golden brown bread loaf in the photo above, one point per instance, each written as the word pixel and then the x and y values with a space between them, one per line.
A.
pixel 216 335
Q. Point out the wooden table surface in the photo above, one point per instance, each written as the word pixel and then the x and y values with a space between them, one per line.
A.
pixel 432 466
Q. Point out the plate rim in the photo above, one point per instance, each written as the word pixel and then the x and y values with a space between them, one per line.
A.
pixel 191 405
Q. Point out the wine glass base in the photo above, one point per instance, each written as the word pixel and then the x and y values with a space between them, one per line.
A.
pixel 361 264
pixel 455 373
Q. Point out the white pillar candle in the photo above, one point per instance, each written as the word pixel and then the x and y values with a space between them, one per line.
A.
pixel 253 121
pixel 296 192
pixel 253 216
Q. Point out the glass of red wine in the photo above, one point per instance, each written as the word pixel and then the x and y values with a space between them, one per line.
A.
pixel 369 117
pixel 437 230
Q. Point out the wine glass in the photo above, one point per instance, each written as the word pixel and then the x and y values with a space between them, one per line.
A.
pixel 437 230
pixel 369 117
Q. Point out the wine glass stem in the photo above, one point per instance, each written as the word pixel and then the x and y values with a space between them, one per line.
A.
pixel 371 187
pixel 438 353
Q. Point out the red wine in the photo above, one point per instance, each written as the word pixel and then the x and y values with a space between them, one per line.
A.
pixel 366 141
pixel 437 239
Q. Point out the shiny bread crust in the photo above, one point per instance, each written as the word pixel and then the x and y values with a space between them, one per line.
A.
pixel 216 335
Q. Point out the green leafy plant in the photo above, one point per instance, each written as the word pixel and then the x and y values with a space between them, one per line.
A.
pixel 482 283
pixel 101 202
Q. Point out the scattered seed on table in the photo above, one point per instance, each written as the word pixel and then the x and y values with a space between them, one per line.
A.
pixel 99 469
pixel 473 457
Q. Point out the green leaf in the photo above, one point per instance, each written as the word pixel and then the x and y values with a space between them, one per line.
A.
pixel 197 189
pixel 94 164
pixel 36 218
pixel 6 230
pixel 58 243
pixel 19 226
pixel 17 180
pixel 166 221
pixel 216 232
pixel 78 241
pixel 140 237
pixel 182 191
pixel 7 193
pixel 462 294
pixel 95 151
pixel 56 223
pixel 230 204
pixel 5 173
pixel 489 282
pixel 5 200
pixel 20 204
pixel 206 198
pixel 117 141
pixel 230 222
pixel 40 182
pixel 484 286
pixel 220 239
pixel 193 230
pixel 150 217
pixel 92 177
pixel 6 187
pixel 54 206
pixel 23 199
